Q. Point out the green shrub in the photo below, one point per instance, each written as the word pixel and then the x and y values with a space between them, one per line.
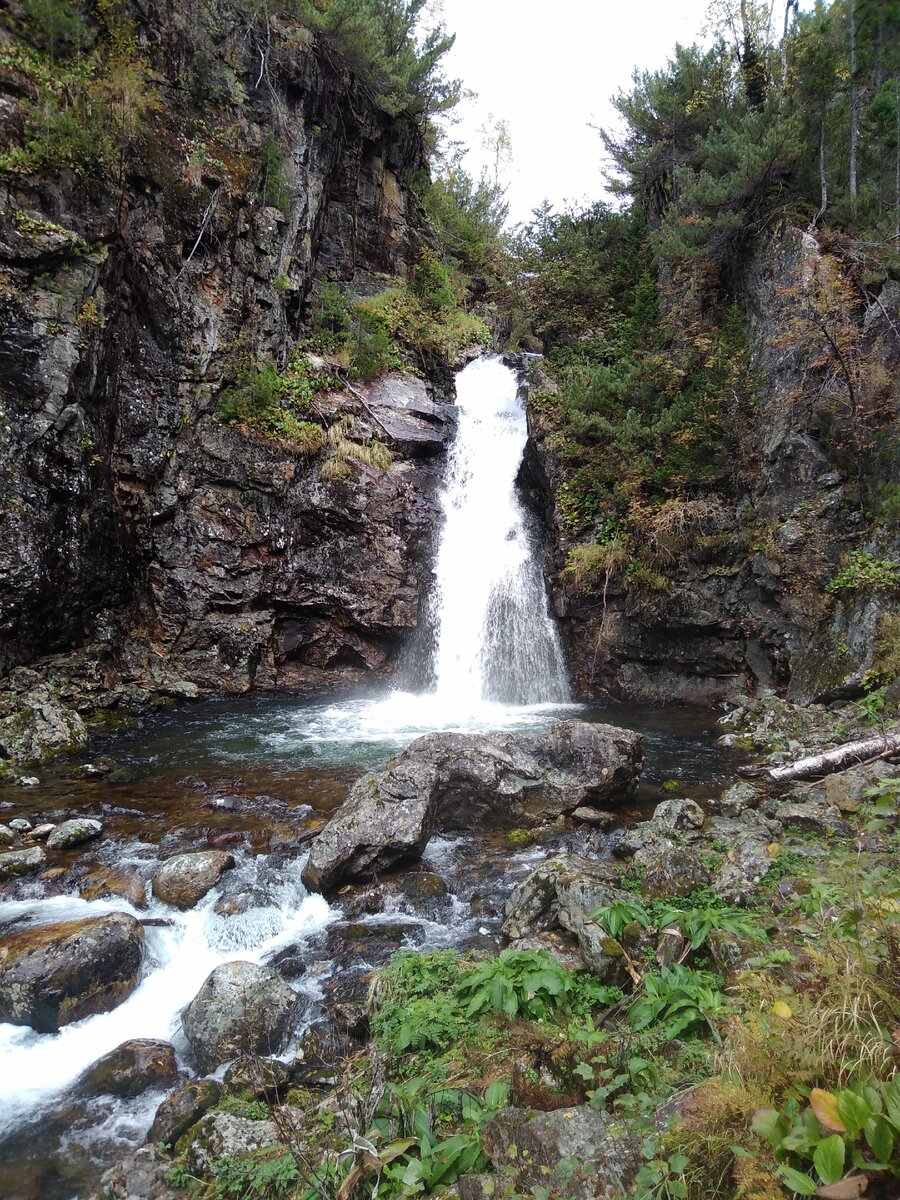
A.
pixel 431 282
pixel 864 572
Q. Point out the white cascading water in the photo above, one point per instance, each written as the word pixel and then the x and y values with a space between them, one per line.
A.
pixel 496 640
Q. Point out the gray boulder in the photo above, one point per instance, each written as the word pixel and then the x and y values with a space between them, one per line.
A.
pixel 242 1008
pixel 814 818
pixel 574 1152
pixel 674 872
pixel 453 781
pixel 56 974
pixel 561 894
pixel 21 862
pixel 183 880
pixel 738 798
pixel 40 727
pixel 73 833
pixel 679 814
pixel 141 1175
pixel 130 1069
pixel 6 835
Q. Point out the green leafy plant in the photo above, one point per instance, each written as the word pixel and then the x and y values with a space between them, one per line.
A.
pixel 527 983
pixel 864 572
pixel 698 923
pixel 679 1000
pixel 856 1127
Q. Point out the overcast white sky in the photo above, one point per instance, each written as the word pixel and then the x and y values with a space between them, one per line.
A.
pixel 549 69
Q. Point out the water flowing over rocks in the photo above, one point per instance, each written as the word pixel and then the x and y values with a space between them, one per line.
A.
pixel 471 781
pixel 183 880
pixel 56 974
pixel 241 1008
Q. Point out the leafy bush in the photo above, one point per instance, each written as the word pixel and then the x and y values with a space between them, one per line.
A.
pixel 431 282
pixel 679 1000
pixel 856 1127
pixel 864 572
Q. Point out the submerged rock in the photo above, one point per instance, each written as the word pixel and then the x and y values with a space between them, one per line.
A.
pixel 130 1069
pixel 467 781
pixel 183 880
pixel 242 1008
pixel 21 862
pixel 56 974
pixel 73 833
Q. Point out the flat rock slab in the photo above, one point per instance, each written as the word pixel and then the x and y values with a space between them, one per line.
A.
pixel 56 974
pixel 453 781
pixel 183 880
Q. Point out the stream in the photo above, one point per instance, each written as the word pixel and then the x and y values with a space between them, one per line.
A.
pixel 257 776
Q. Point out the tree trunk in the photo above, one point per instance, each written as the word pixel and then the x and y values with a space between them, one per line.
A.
pixel 854 105
pixel 849 755
pixel 823 178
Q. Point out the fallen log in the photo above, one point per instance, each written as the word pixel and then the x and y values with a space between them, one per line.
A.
pixel 851 754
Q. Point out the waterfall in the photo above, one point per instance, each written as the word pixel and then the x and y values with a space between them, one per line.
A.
pixel 495 639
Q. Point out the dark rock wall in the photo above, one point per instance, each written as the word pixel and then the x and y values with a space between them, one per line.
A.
pixel 132 522
pixel 740 612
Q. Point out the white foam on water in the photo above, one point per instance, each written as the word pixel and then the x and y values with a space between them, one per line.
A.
pixel 36 1067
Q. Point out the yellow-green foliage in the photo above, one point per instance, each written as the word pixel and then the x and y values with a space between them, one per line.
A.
pixel 590 564
pixel 344 451
pixel 421 327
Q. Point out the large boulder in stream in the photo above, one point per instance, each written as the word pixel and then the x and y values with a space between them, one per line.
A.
pixel 242 1008
pixel 448 781
pixel 130 1069
pixel 56 974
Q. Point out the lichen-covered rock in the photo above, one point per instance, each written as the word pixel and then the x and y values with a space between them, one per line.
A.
pixel 21 862
pixel 679 815
pixel 55 974
pixel 186 878
pixel 562 893
pixel 7 837
pixel 74 833
pixel 130 1069
pixel 40 726
pixel 746 863
pixel 242 1008
pixel 674 872
pixel 573 1152
pixel 183 1108
pixel 813 818
pixel 261 1077
pixel 469 781
pixel 737 799
pixel 142 1175
pixel 221 1135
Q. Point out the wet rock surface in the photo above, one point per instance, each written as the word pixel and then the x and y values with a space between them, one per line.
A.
pixel 74 833
pixel 185 879
pixel 183 1108
pixel 459 781
pixel 21 862
pixel 56 974
pixel 130 1069
pixel 241 1009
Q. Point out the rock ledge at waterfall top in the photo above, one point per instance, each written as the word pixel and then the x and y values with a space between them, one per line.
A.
pixel 447 781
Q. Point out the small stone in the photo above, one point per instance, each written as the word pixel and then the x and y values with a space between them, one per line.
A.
pixel 21 862
pixel 594 816
pixel 28 781
pixel 20 825
pixel 738 798
pixel 181 689
pixel 42 831
pixel 74 833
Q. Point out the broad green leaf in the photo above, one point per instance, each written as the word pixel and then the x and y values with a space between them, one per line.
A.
pixel 852 1110
pixel 880 1138
pixel 802 1184
pixel 829 1158
pixel 768 1123
pixel 497 1094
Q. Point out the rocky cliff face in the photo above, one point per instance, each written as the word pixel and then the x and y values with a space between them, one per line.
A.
pixel 745 603
pixel 171 549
